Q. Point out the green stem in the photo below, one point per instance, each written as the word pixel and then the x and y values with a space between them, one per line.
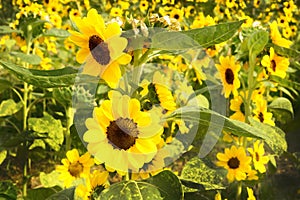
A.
pixel 69 118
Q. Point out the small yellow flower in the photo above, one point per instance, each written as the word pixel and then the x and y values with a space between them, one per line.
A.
pixel 276 65
pixel 237 105
pixel 276 36
pixel 236 162
pixel 257 153
pixel 261 114
pixel 228 70
pixel 74 167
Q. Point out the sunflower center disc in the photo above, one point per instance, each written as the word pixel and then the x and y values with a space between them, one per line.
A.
pixel 256 156
pixel 99 50
pixel 122 133
pixel 261 117
pixel 75 169
pixel 233 163
pixel 273 65
pixel 229 76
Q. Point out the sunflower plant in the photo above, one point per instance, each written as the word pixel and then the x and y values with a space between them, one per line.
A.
pixel 140 99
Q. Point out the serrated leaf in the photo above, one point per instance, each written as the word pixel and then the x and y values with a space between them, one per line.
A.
pixel 168 184
pixel 51 126
pixel 195 38
pixel 272 135
pixel 257 42
pixel 130 190
pixel 3 155
pixel 196 171
pixel 9 107
pixel 55 32
pixel 282 104
pixel 8 190
pixel 31 58
pixel 67 194
pixel 43 78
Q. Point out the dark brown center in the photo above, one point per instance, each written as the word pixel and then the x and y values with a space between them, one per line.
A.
pixel 229 76
pixel 99 50
pixel 233 163
pixel 176 16
pixel 256 156
pixel 122 133
pixel 261 117
pixel 75 169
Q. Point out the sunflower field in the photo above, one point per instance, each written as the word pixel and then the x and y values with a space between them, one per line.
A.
pixel 151 99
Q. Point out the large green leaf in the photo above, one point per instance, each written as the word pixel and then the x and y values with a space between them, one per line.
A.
pixel 41 193
pixel 257 42
pixel 282 104
pixel 31 58
pixel 51 126
pixel 51 179
pixel 43 78
pixel 8 190
pixel 67 194
pixel 4 84
pixel 9 107
pixel 7 30
pixel 196 171
pixel 201 37
pixel 131 190
pixel 291 53
pixel 285 82
pixel 168 184
pixel 273 136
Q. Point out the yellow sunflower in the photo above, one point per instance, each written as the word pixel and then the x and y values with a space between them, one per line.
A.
pixel 177 14
pixel 228 70
pixel 122 136
pixel 237 105
pixel 74 167
pixel 257 153
pixel 276 36
pixel 96 180
pixel 236 162
pixel 101 47
pixel 261 114
pixel 276 65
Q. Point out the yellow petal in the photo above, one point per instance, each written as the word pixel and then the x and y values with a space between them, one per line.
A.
pixel 112 75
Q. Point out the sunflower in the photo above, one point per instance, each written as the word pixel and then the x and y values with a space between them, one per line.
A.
pixel 276 65
pixel 236 162
pixel 261 114
pixel 257 153
pixel 96 180
pixel 228 70
pixel 276 36
pixel 101 47
pixel 237 105
pixel 144 5
pixel 177 14
pixel 122 136
pixel 74 167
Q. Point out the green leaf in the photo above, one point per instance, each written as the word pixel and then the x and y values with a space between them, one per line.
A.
pixel 9 107
pixel 273 136
pixel 203 116
pixel 31 59
pixel 41 193
pixel 168 184
pixel 4 84
pixel 285 82
pixel 55 32
pixel 51 179
pixel 195 38
pixel 51 126
pixel 282 104
pixel 257 42
pixel 287 52
pixel 3 155
pixel 131 190
pixel 43 78
pixel 7 30
pixel 63 95
pixel 8 190
pixel 196 171
pixel 67 194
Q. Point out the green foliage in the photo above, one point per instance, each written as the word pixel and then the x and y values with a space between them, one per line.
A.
pixel 164 185
pixel 195 38
pixel 282 109
pixel 257 42
pixel 55 32
pixel 9 107
pixel 67 194
pixel 4 84
pixel 49 128
pixel 200 176
pixel 31 58
pixel 41 193
pixel 42 78
pixel 8 191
